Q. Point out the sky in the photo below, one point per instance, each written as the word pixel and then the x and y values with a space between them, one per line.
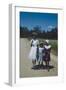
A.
pixel 46 21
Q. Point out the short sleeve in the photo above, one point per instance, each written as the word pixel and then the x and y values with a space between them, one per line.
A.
pixel 37 42
pixel 49 46
pixel 31 41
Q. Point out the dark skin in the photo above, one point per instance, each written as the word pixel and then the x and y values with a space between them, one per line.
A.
pixel 34 37
pixel 47 65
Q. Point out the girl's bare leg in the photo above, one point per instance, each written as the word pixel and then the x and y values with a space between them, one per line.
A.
pixel 38 62
pixel 42 62
pixel 34 62
pixel 48 65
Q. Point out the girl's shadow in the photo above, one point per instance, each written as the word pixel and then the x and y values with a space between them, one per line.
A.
pixel 40 67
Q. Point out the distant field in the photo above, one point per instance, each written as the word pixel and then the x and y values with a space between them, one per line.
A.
pixel 54 44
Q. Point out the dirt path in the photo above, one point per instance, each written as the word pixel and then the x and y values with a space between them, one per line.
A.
pixel 26 65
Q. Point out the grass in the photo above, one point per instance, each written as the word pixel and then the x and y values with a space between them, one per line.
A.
pixel 54 44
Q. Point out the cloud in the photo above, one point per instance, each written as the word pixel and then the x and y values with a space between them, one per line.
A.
pixel 50 27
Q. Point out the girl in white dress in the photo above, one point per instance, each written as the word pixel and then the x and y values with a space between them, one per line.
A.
pixel 33 51
pixel 40 54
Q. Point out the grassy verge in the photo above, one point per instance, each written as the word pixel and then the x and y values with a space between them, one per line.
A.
pixel 54 44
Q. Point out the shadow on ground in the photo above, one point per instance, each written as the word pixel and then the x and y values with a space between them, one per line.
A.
pixel 39 67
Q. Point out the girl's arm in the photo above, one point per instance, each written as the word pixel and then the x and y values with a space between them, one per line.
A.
pixel 31 43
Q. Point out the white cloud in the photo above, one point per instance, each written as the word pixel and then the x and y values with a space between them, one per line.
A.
pixel 50 27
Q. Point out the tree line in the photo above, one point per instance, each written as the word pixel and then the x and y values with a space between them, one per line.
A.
pixel 49 34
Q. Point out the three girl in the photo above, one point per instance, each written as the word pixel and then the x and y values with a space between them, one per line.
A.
pixel 40 52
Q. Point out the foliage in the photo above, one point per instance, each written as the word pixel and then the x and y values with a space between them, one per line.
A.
pixel 26 33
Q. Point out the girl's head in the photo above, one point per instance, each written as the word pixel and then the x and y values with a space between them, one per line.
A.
pixel 41 44
pixel 34 37
pixel 47 42
pixel 34 34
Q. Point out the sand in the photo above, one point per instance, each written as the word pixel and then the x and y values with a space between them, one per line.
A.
pixel 26 64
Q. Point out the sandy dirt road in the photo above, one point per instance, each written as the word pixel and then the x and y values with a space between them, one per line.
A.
pixel 26 64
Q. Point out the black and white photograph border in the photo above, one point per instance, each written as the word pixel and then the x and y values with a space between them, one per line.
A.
pixel 14 65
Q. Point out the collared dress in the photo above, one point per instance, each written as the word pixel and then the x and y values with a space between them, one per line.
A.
pixel 33 50
pixel 46 53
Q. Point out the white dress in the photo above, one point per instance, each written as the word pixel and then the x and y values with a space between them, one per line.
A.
pixel 33 51
pixel 40 54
